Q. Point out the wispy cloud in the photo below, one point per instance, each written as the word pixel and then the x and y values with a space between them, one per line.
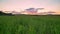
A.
pixel 22 4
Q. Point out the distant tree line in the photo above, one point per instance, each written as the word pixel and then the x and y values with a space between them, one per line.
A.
pixel 2 13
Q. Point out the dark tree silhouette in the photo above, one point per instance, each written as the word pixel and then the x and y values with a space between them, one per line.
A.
pixel 2 13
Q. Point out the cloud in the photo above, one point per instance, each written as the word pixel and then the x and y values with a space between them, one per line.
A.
pixel 17 4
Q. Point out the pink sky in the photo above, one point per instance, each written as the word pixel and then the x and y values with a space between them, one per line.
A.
pixel 23 4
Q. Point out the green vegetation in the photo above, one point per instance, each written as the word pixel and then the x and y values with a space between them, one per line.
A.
pixel 29 24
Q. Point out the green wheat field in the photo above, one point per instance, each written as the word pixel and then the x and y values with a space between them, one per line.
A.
pixel 23 24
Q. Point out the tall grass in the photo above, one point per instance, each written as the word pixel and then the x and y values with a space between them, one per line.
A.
pixel 29 24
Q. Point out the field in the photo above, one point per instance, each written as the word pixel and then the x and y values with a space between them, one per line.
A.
pixel 30 24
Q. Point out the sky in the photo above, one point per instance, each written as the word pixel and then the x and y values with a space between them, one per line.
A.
pixel 53 5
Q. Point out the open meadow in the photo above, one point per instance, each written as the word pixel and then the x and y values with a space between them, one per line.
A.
pixel 24 24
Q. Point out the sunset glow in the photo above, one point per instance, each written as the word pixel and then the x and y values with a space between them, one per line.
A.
pixel 10 5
